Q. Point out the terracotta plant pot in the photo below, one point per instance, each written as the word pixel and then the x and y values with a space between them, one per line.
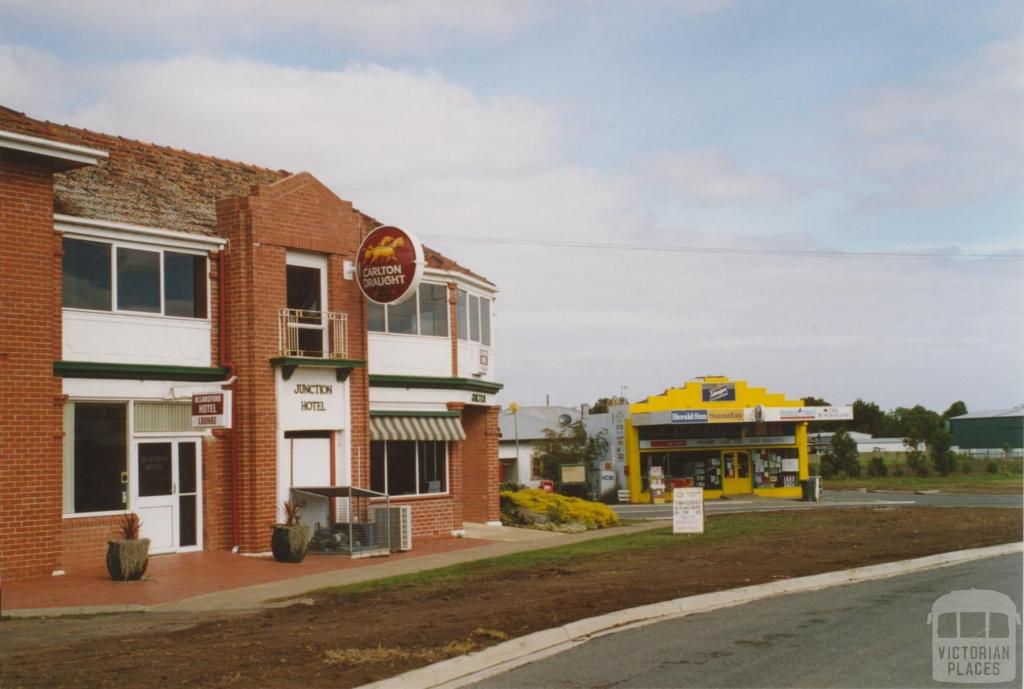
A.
pixel 289 543
pixel 127 560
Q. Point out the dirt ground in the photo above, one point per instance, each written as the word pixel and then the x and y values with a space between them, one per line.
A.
pixel 349 639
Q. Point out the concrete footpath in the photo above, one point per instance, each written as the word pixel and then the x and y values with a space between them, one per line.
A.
pixel 482 542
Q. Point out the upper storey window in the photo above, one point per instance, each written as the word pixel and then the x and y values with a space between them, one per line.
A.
pixel 426 313
pixel 474 318
pixel 108 277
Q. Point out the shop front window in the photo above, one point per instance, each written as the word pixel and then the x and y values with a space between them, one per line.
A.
pixel 699 469
pixel 96 457
pixel 409 467
pixel 776 467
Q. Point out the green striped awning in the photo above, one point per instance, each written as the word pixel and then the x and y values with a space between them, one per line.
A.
pixel 416 428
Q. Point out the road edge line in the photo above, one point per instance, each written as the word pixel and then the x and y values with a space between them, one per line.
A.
pixel 461 670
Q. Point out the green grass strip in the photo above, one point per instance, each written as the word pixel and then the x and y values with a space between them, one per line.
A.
pixel 717 529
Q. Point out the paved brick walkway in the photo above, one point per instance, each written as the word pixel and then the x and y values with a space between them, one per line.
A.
pixel 176 577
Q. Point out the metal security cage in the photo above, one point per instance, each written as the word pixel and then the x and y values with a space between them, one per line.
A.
pixel 345 520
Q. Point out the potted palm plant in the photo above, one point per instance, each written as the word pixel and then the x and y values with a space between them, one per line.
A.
pixel 128 556
pixel 291 539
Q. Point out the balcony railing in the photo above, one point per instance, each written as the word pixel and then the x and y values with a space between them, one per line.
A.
pixel 313 334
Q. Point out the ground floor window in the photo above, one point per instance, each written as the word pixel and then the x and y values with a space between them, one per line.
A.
pixel 776 467
pixel 700 469
pixel 409 467
pixel 96 457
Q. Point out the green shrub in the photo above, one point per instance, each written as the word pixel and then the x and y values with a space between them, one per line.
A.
pixel 992 468
pixel 877 467
pixel 917 462
pixel 560 509
pixel 609 497
pixel 828 466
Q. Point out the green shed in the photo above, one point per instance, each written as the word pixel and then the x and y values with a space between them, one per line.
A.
pixel 989 429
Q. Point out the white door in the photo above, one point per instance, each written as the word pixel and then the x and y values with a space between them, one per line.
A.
pixel 311 459
pixel 167 494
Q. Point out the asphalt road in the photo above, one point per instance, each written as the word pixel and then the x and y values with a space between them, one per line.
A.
pixel 830 499
pixel 872 634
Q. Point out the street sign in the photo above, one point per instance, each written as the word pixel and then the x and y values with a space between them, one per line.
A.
pixel 688 510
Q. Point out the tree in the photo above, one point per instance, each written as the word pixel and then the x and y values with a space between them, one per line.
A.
pixel 940 449
pixel 570 444
pixel 844 453
pixel 869 418
pixel 958 408
pixel 602 404
pixel 917 423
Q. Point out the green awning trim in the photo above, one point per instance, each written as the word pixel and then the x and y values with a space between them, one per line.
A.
pixel 470 384
pixel 96 369
pixel 449 414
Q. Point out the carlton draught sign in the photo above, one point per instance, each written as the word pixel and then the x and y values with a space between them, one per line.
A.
pixel 390 265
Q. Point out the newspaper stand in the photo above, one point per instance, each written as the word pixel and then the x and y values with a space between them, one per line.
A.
pixel 343 522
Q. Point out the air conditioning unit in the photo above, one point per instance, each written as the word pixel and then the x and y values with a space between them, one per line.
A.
pixel 398 520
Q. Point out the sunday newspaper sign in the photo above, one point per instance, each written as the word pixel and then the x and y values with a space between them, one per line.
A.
pixel 688 510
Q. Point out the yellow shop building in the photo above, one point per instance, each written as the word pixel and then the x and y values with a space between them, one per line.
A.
pixel 721 435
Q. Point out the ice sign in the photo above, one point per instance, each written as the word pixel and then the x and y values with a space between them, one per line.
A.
pixel 688 510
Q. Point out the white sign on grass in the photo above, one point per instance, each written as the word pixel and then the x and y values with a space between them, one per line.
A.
pixel 688 510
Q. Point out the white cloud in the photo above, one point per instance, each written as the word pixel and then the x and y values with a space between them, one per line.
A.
pixel 713 177
pixel 956 134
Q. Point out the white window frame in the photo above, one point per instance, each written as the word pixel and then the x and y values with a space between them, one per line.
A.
pixel 464 316
pixel 416 465
pixel 419 329
pixel 319 262
pixel 115 245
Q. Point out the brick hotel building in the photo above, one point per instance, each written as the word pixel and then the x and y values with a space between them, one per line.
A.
pixel 135 276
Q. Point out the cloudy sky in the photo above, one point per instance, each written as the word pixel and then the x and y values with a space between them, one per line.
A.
pixel 690 186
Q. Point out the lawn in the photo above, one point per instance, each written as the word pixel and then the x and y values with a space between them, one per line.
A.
pixel 954 483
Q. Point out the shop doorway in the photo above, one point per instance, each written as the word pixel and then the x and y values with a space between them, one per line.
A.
pixel 168 494
pixel 736 472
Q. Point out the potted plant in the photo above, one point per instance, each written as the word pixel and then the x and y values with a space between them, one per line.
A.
pixel 128 556
pixel 291 539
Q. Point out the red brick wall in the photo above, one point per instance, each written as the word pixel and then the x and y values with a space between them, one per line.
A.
pixel 31 403
pixel 300 214
pixel 85 542
pixel 481 471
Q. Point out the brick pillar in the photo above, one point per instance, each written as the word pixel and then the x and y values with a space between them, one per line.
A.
pixel 31 401
pixel 481 472
pixel 453 328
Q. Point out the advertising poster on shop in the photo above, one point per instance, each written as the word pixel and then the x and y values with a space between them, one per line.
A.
pixel 688 510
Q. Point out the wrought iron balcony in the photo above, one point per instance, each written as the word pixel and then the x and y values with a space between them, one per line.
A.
pixel 313 334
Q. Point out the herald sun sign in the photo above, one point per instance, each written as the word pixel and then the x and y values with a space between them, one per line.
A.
pixel 390 265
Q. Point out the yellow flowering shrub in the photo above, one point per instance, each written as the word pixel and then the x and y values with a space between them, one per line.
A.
pixel 526 505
